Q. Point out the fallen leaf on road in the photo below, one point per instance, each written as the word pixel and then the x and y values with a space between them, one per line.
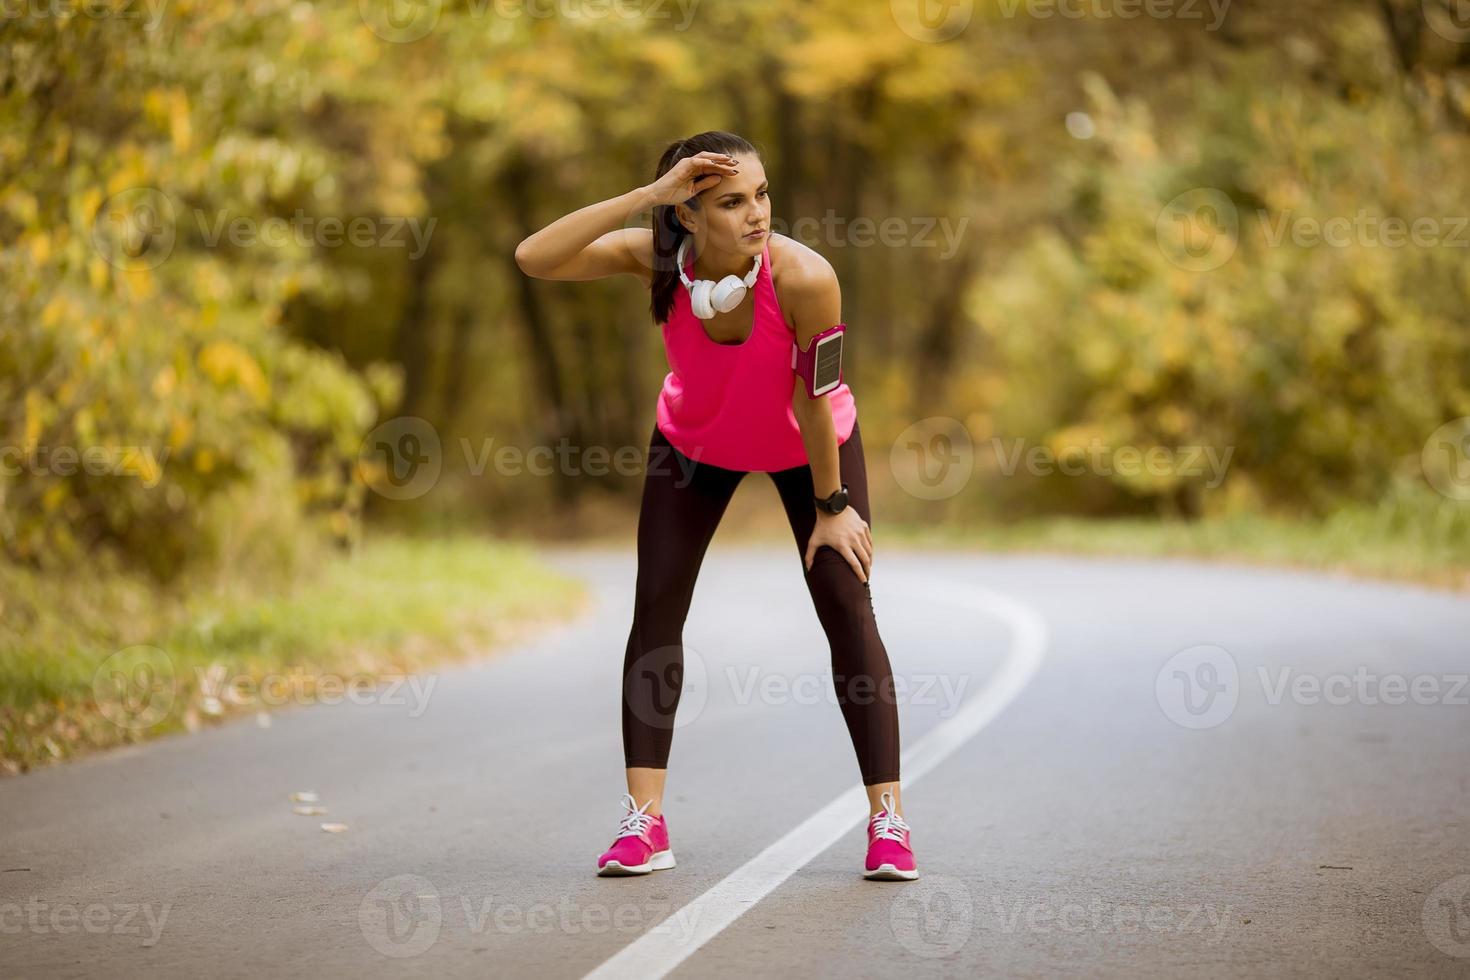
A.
pixel 309 811
pixel 306 797
pixel 334 828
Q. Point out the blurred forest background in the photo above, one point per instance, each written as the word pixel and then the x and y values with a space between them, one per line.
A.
pixel 1085 205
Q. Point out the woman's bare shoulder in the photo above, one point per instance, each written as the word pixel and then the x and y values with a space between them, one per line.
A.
pixel 799 271
pixel 806 287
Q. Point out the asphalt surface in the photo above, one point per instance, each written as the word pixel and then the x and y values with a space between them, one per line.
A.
pixel 1203 774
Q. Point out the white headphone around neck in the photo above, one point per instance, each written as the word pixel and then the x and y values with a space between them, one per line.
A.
pixel 707 297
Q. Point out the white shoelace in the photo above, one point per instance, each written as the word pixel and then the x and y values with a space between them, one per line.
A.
pixel 637 821
pixel 888 825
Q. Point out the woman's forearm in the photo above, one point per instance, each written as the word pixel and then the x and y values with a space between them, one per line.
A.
pixel 819 436
pixel 564 238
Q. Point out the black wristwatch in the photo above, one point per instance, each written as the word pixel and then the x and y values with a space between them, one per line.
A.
pixel 834 504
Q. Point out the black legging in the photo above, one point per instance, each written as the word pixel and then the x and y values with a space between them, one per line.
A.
pixel 683 501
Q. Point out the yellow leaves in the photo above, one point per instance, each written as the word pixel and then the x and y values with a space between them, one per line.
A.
pixel 155 105
pixel 54 497
pixel 35 410
pixel 164 382
pixel 91 201
pixel 55 311
pixel 1138 381
pixel 1175 344
pixel 22 205
pixel 823 64
pixel 40 244
pixel 142 464
pixel 1174 420
pixel 97 273
pixel 180 431
pixel 86 426
pixel 139 282
pixel 180 126
pixel 1075 440
pixel 670 59
pixel 226 363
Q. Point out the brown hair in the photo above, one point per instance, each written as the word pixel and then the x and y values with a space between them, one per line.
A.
pixel 668 232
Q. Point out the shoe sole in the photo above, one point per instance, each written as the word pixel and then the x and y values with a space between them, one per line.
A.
pixel 887 872
pixel 662 861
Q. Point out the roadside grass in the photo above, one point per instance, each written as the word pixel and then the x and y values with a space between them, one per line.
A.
pixel 106 658
pixel 1428 548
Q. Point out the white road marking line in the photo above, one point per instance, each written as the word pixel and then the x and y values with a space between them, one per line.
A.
pixel 660 950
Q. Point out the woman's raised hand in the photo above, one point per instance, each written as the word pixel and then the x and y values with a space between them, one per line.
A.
pixel 691 176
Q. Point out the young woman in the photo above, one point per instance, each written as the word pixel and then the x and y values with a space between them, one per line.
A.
pixel 733 403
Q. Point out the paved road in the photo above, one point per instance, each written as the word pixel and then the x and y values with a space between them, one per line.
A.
pixel 1173 769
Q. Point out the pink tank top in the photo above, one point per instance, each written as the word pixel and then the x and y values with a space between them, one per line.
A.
pixel 729 405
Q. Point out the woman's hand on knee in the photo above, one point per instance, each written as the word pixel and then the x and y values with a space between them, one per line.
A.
pixel 847 534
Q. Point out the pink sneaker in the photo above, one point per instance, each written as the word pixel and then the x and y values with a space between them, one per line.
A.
pixel 889 856
pixel 642 844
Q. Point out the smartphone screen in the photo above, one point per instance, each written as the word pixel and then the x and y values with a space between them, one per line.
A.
pixel 827 373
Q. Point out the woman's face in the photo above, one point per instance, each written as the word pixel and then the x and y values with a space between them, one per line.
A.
pixel 734 215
